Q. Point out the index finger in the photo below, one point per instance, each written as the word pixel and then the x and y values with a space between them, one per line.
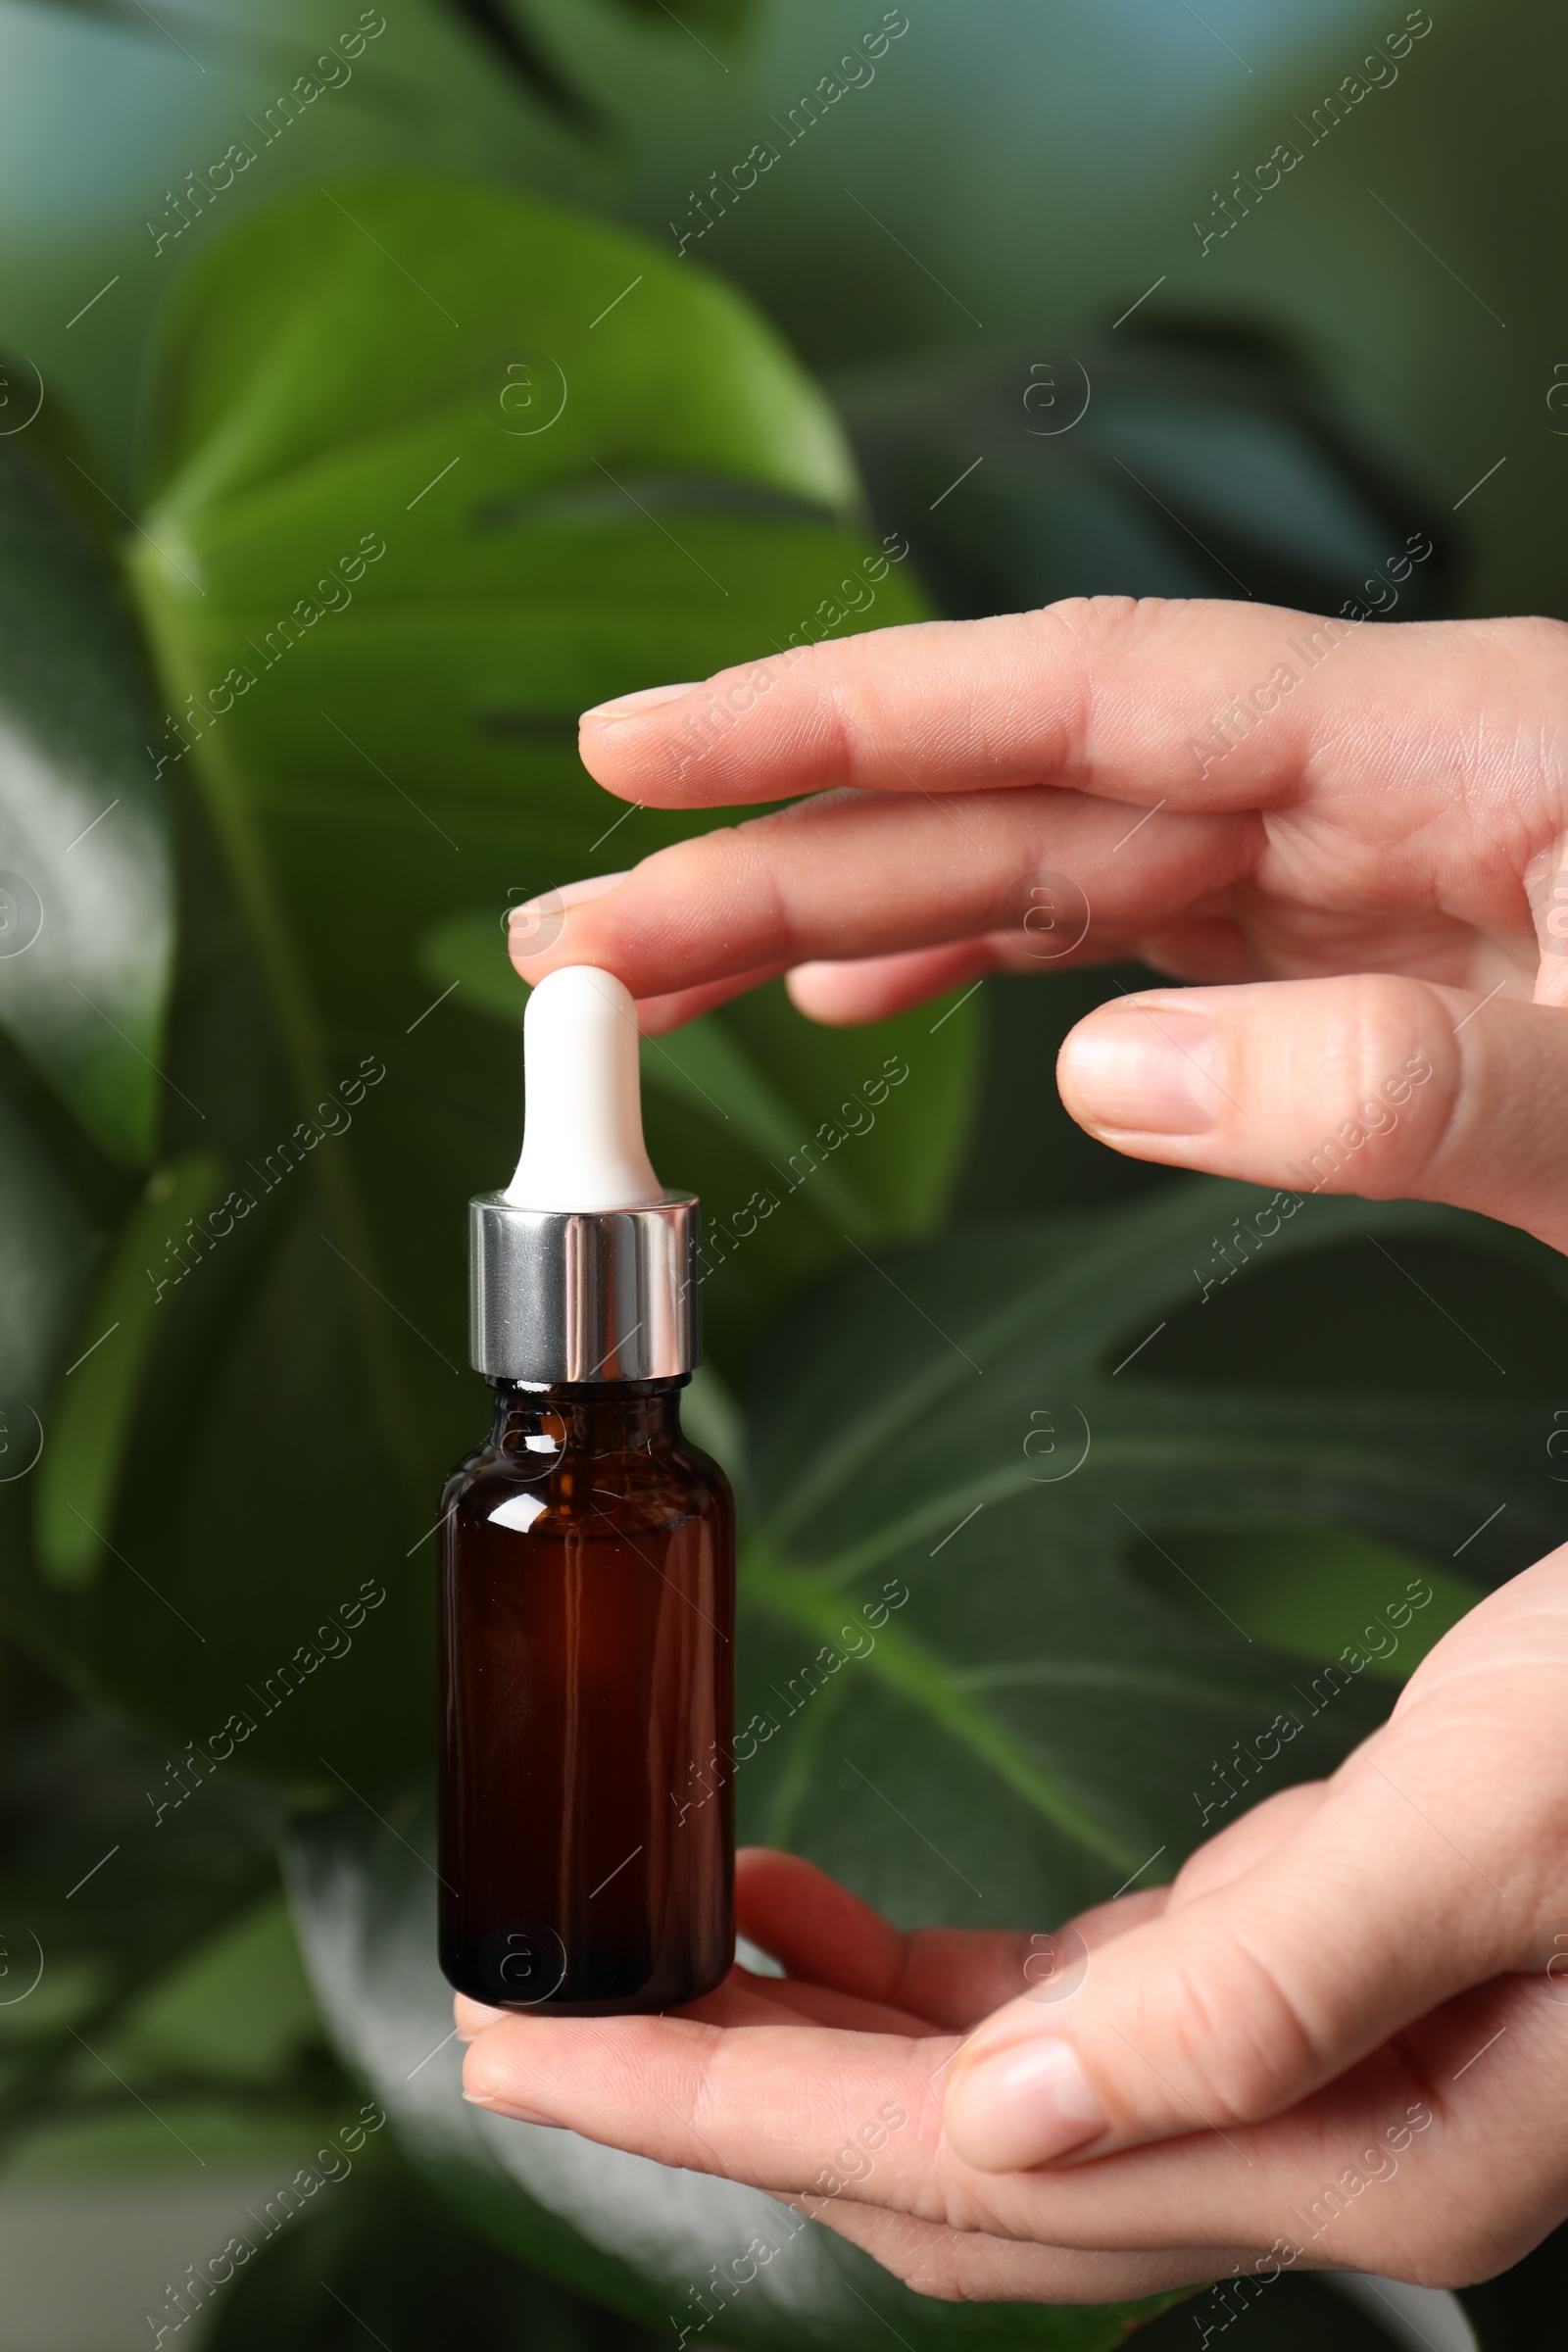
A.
pixel 822 1932
pixel 1114 696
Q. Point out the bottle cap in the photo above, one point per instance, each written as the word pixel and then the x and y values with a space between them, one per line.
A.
pixel 584 1268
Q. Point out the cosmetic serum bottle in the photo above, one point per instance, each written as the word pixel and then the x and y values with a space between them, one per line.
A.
pixel 587 1567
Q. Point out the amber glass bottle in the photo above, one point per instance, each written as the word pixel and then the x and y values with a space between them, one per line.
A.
pixel 587 1565
pixel 587 1609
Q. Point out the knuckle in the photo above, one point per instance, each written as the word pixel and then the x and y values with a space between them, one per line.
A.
pixel 1392 1017
pixel 1244 2040
pixel 930 2270
pixel 1096 617
pixel 1095 620
pixel 1088 699
pixel 935 2282
pixel 1389 1066
pixel 858 689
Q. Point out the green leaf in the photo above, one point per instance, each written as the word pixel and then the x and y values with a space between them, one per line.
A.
pixel 956 1694
pixel 961 1695
pixel 105 1897
pixel 85 913
pixel 867 1125
pixel 378 2259
pixel 238 2008
pixel 691 501
pixel 718 16
pixel 90 1427
pixel 1314 1591
pixel 404 757
pixel 1297 2313
pixel 260 1595
pixel 264 377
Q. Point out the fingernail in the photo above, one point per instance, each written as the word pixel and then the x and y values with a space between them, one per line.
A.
pixel 646 698
pixel 1143 1069
pixel 514 2114
pixel 1022 2107
pixel 569 894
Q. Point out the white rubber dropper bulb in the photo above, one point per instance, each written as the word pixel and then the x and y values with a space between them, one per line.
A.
pixel 582 1138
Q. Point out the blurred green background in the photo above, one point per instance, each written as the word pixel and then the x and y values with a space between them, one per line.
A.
pixel 1012 299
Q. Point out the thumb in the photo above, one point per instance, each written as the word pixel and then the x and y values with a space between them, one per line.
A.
pixel 1388 1087
pixel 1233 2005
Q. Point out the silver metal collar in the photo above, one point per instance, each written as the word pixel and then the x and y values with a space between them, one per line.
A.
pixel 584 1294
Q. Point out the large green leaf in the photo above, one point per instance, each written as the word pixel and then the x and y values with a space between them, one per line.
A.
pixel 124 1887
pixel 957 1693
pixel 280 1382
pixel 86 911
pixel 378 2260
pixel 96 1401
pixel 960 1425
pixel 1312 1590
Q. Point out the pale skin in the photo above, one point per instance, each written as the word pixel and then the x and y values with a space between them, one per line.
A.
pixel 1361 881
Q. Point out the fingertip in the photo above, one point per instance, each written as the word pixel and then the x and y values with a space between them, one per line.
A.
pixel 813 1927
pixel 622 706
pixel 493 2078
pixel 472 2018
pixel 846 994
pixel 537 930
pixel 1008 2110
pixel 1143 1066
pixel 822 991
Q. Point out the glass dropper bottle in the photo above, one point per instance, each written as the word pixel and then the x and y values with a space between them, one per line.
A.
pixel 587 1567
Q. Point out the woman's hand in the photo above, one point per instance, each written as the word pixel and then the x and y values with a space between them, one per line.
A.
pixel 1319 2047
pixel 983 789
pixel 1334 2041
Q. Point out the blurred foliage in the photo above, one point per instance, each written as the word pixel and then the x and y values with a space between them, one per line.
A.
pixel 381 2259
pixel 506 32
pixel 503 30
pixel 141 1955
pixel 1432 292
pixel 1195 456
pixel 481 463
